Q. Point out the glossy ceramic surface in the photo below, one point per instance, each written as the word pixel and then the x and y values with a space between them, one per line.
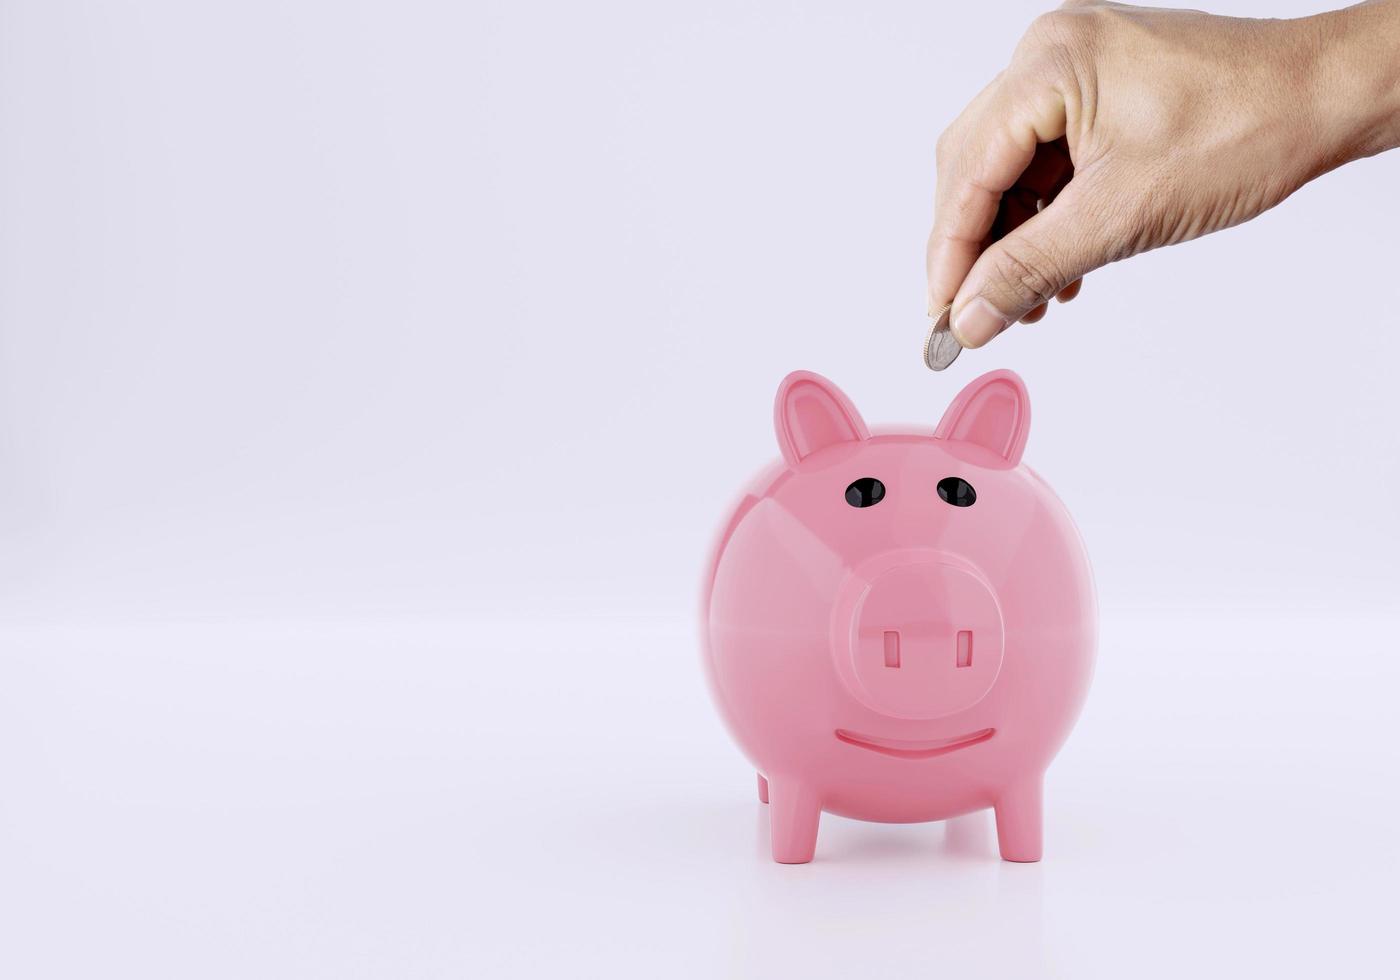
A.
pixel 905 656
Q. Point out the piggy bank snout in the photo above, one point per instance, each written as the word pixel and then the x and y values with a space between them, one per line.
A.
pixel 917 636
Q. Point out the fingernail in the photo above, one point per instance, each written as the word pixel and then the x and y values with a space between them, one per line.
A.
pixel 977 323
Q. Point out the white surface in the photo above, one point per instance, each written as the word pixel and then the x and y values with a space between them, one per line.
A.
pixel 430 307
pixel 443 800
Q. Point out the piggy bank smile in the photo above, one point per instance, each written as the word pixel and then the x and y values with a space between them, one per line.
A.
pixel 918 749
pixel 899 625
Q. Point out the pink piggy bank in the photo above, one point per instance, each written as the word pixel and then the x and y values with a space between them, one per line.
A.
pixel 900 626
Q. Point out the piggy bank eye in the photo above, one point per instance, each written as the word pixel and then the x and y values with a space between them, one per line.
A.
pixel 865 492
pixel 956 491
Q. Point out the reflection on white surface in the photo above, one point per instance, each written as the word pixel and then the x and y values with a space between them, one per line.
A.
pixel 457 799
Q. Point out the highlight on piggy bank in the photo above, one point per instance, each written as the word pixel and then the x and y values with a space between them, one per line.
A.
pixel 900 626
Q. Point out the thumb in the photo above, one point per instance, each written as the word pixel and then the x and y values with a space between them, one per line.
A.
pixel 1029 266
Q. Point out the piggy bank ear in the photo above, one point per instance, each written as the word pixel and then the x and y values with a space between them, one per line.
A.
pixel 993 412
pixel 811 413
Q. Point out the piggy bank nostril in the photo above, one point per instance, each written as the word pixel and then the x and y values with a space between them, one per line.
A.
pixel 891 648
pixel 964 648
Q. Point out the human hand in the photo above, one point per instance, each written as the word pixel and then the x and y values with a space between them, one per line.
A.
pixel 1136 128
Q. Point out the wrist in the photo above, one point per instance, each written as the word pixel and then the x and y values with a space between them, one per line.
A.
pixel 1355 81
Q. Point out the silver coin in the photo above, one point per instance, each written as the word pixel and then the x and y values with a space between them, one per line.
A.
pixel 941 348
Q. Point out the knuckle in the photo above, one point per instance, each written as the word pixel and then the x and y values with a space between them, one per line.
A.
pixel 1050 28
pixel 1032 274
pixel 1052 45
pixel 1069 29
pixel 943 149
pixel 1134 209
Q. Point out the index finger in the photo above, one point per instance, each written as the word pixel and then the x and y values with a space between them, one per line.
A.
pixel 979 158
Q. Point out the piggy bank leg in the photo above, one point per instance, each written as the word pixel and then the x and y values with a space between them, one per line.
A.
pixel 794 812
pixel 762 789
pixel 1019 821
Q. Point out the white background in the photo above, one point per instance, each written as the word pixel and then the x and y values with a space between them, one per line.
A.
pixel 372 378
